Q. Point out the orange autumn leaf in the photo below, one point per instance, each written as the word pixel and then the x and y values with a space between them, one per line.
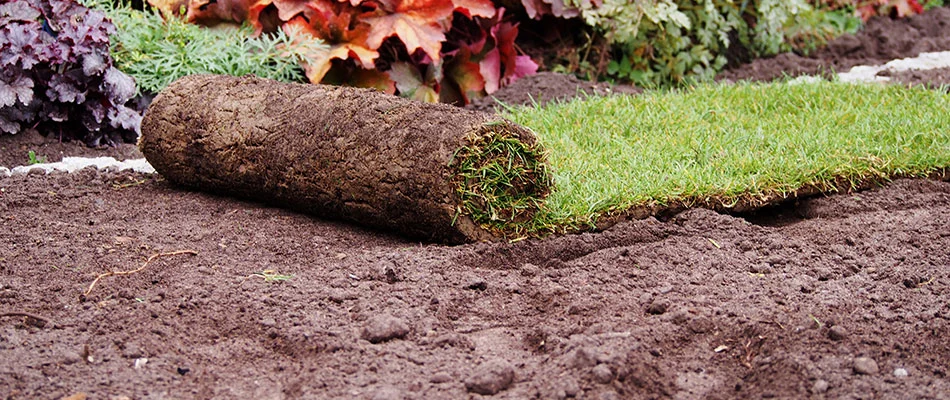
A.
pixel 899 8
pixel 333 21
pixel 254 16
pixel 475 8
pixel 288 9
pixel 171 7
pixel 344 43
pixel 318 68
pixel 906 8
pixel 466 74
pixel 371 78
pixel 419 24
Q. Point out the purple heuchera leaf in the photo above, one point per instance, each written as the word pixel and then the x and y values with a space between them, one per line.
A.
pixel 18 11
pixel 23 45
pixel 7 95
pixel 95 113
pixel 126 118
pixel 63 89
pixel 64 8
pixel 93 64
pixel 89 35
pixel 7 125
pixel 56 112
pixel 21 88
pixel 120 86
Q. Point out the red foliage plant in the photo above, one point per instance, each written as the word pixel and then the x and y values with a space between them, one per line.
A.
pixel 452 51
pixel 896 8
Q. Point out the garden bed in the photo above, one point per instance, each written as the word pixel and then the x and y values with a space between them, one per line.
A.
pixel 843 296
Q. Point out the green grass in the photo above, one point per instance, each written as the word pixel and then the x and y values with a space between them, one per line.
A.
pixel 723 146
pixel 500 180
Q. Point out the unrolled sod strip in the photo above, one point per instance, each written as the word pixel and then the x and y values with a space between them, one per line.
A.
pixel 430 171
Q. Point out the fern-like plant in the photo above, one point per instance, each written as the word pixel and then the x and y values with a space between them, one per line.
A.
pixel 156 51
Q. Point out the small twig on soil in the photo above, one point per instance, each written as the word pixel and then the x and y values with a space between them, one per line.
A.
pixel 27 315
pixel 749 354
pixel 922 284
pixel 154 256
pixel 782 327
pixel 269 275
pixel 130 184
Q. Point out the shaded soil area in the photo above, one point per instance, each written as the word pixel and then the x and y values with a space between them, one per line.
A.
pixel 842 296
pixel 14 149
pixel 545 87
pixel 881 40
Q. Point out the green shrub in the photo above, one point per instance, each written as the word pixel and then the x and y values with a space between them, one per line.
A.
pixel 156 51
pixel 666 42
pixel 813 29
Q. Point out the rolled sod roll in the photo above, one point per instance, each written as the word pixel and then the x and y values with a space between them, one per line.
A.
pixel 429 171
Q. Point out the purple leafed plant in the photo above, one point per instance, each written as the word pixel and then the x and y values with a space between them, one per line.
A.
pixel 56 74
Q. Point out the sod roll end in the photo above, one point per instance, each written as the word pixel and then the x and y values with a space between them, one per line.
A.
pixel 429 171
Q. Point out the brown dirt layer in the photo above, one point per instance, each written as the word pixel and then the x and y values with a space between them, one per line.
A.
pixel 844 297
pixel 933 78
pixel 545 87
pixel 14 149
pixel 831 297
pixel 881 40
pixel 337 152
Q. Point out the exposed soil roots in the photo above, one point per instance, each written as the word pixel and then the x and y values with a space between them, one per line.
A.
pixel 139 269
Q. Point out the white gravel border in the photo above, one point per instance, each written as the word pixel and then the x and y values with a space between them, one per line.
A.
pixel 72 164
pixel 924 61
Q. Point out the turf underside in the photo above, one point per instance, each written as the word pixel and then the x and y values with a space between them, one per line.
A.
pixel 726 146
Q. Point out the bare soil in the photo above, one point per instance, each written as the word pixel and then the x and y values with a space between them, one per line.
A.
pixel 14 149
pixel 843 296
pixel 881 40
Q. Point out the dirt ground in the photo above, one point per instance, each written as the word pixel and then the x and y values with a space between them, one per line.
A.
pixel 844 296
pixel 881 40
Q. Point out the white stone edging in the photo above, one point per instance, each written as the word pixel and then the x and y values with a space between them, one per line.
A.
pixel 924 61
pixel 72 164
